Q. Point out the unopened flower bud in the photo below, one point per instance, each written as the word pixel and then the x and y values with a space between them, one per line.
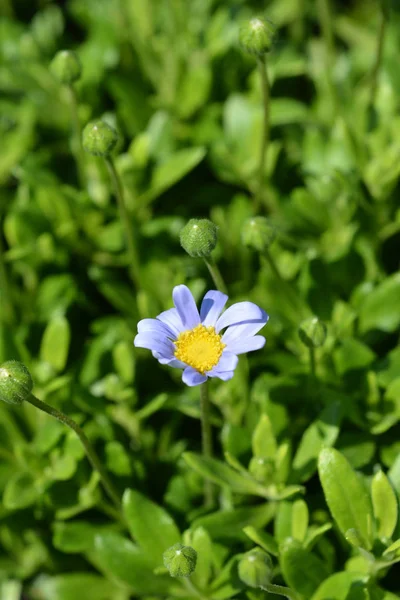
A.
pixel 99 138
pixel 15 382
pixel 255 568
pixel 180 560
pixel 262 469
pixel 258 233
pixel 312 332
pixel 66 66
pixel 256 36
pixel 199 237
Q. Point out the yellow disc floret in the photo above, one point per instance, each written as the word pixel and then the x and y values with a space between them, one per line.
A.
pixel 200 348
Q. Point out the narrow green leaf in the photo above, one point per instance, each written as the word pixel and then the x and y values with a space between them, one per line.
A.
pixel 217 471
pixel 395 547
pixel 345 494
pixel 125 562
pixel 342 586
pixel 264 442
pixel 70 586
pixel 323 432
pixel 229 524
pixel 150 525
pixel 55 343
pixel 384 503
pixel 380 309
pixel 201 542
pixel 263 539
pixel 299 520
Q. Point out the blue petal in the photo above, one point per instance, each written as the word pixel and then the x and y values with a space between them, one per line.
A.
pixel 241 312
pixel 192 377
pixel 171 318
pixel 246 345
pixel 155 326
pixel 171 362
pixel 186 306
pixel 224 375
pixel 152 341
pixel 245 330
pixel 211 307
pixel 227 362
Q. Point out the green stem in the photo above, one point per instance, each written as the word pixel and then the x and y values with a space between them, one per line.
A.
pixel 127 223
pixel 312 361
pixel 206 437
pixel 90 452
pixel 77 136
pixel 280 590
pixel 215 274
pixel 6 305
pixel 265 90
pixel 189 585
pixel 378 57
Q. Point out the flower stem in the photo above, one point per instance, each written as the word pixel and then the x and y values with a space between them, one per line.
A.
pixel 134 263
pixel 206 439
pixel 90 452
pixel 280 590
pixel 378 56
pixel 215 274
pixel 77 136
pixel 265 90
pixel 312 361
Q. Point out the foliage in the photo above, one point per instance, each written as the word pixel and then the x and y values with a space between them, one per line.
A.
pixel 307 457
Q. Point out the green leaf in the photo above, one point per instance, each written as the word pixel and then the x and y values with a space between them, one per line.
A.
pixel 201 542
pixel 127 564
pixel 21 491
pixel 299 520
pixel 345 495
pixel 76 537
pixel 380 308
pixel 149 525
pixel 172 170
pixel 321 433
pixel 71 585
pixel 384 503
pixel 263 539
pixel 393 548
pixel 217 471
pixel 352 355
pixel 342 586
pixel 229 524
pixel 302 570
pixel 264 442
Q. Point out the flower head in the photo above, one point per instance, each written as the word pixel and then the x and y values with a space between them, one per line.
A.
pixel 183 338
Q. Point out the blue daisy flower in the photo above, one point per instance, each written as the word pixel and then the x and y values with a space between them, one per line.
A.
pixel 183 338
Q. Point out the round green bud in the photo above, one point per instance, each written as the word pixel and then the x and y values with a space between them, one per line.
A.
pixel 199 237
pixel 66 66
pixel 312 332
pixel 180 560
pixel 255 568
pixel 15 382
pixel 262 469
pixel 256 36
pixel 258 233
pixel 99 138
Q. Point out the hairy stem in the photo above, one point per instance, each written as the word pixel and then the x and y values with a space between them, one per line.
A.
pixel 206 437
pixel 265 90
pixel 77 136
pixel 215 274
pixel 90 452
pixel 127 223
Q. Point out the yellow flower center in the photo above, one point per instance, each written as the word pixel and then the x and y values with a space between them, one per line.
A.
pixel 200 348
